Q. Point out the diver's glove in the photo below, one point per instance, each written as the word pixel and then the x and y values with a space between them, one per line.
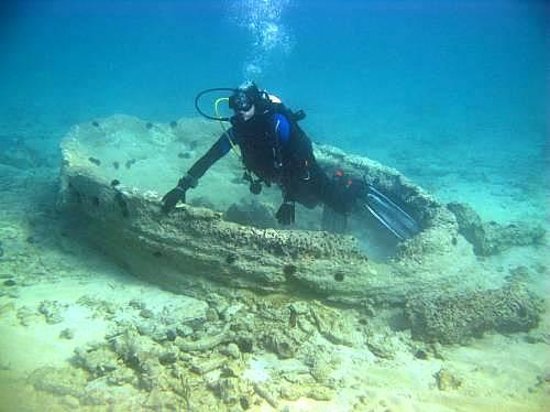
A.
pixel 171 198
pixel 286 213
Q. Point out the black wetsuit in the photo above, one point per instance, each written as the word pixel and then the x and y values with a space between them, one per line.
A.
pixel 276 149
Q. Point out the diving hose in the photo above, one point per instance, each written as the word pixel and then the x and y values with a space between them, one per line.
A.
pixel 218 117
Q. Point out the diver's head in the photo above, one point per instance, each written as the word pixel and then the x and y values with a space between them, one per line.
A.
pixel 244 100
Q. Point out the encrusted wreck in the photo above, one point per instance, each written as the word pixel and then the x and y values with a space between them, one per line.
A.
pixel 115 171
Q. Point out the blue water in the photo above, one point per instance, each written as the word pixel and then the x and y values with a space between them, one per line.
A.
pixel 453 93
pixel 399 81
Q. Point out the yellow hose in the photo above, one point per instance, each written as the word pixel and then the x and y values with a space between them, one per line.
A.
pixel 216 110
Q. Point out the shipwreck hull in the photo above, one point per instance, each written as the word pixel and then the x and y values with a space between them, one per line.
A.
pixel 115 171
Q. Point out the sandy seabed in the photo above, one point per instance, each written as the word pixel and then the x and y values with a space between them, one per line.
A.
pixel 59 298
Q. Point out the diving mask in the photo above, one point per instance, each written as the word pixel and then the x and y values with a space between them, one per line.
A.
pixel 240 101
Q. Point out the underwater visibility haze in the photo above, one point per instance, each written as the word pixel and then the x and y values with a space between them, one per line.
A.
pixel 442 105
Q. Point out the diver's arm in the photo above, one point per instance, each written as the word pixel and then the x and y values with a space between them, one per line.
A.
pixel 199 168
pixel 215 153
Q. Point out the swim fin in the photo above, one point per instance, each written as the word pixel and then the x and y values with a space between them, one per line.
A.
pixel 389 214
pixel 333 221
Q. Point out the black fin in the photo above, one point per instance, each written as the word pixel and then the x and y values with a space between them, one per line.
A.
pixel 395 219
pixel 333 221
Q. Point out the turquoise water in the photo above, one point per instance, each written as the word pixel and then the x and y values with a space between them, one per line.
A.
pixel 409 83
pixel 360 68
pixel 454 94
pixel 402 82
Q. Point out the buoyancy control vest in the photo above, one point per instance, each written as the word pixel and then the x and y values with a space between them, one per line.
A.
pixel 262 152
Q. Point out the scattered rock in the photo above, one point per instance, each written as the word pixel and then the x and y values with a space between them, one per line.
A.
pixel 212 315
pixel 26 315
pixel 321 393
pixel 10 282
pixel 537 336
pixel 447 380
pixel 460 317
pixel 169 357
pixel 280 344
pixel 231 350
pixel 492 238
pixel 67 334
pixel 332 325
pixel 263 391
pixel 52 311
pixel 97 359
pixel 59 381
pixel 205 366
pixel 252 213
pixel 6 307
pixel 146 313
pixel 206 343
pixel 380 345
pixel 543 382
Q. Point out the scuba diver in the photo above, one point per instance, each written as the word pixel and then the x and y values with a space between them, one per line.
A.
pixel 275 150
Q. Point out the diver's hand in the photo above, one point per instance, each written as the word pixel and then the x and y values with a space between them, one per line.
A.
pixel 286 213
pixel 171 199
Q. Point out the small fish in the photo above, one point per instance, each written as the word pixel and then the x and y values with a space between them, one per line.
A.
pixel 94 160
